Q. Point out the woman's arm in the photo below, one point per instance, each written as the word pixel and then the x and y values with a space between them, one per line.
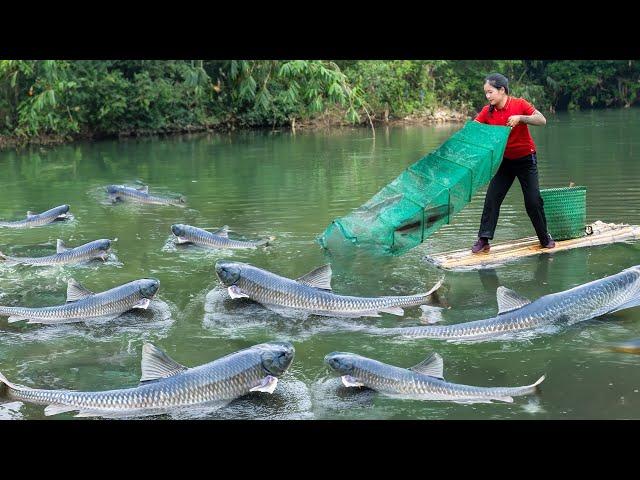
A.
pixel 535 119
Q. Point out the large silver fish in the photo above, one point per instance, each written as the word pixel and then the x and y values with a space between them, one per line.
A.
pixel 424 381
pixel 517 314
pixel 83 304
pixel 140 195
pixel 166 385
pixel 217 239
pixel 309 294
pixel 39 219
pixel 64 256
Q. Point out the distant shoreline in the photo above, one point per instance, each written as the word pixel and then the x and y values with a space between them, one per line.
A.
pixel 324 121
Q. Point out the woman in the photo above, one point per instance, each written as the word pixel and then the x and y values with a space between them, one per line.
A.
pixel 519 160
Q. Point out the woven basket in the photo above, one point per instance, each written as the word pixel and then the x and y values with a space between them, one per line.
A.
pixel 566 211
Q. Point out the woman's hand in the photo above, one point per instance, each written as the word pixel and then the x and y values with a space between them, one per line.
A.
pixel 514 120
pixel 536 119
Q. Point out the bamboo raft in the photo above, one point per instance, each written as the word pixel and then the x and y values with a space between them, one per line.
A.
pixel 597 233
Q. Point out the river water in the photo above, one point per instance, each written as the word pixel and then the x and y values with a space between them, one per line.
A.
pixel 291 186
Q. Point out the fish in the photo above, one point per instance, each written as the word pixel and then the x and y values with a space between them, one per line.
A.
pixel 83 304
pixel 38 219
pixel 517 314
pixel 309 294
pixel 217 239
pixel 630 346
pixel 166 385
pixel 424 381
pixel 141 195
pixel 65 256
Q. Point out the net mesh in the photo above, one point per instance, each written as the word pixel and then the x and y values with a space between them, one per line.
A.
pixel 425 195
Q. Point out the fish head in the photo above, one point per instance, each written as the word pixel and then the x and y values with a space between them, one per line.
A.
pixel 276 357
pixel 62 211
pixel 228 272
pixel 114 192
pixel 178 229
pixel 104 244
pixel 148 287
pixel 341 362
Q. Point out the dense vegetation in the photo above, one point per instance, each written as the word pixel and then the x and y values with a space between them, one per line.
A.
pixel 70 98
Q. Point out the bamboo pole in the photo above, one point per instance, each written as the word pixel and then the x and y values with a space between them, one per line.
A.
pixel 603 233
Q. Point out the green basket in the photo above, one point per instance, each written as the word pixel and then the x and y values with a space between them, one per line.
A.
pixel 566 211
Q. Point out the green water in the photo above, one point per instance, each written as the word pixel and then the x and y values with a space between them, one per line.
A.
pixel 292 186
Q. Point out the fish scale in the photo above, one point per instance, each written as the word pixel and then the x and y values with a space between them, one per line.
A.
pixel 201 237
pixel 221 380
pixel 401 381
pixel 115 301
pixel 618 291
pixel 140 196
pixel 73 255
pixel 268 288
pixel 39 219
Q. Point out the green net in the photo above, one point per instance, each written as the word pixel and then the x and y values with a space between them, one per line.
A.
pixel 424 196
pixel 566 211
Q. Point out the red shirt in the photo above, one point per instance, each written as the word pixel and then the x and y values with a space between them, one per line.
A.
pixel 519 143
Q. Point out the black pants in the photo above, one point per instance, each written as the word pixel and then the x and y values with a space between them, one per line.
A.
pixel 526 169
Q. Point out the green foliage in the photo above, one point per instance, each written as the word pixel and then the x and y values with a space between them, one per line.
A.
pixel 110 97
pixel 590 84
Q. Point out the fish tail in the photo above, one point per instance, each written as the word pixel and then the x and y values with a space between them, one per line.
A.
pixel 538 382
pixel 265 242
pixel 8 260
pixel 6 385
pixel 427 296
pixel 534 388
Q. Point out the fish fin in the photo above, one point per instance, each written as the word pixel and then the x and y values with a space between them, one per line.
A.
pixel 86 413
pixel 634 302
pixel 504 399
pixel 16 318
pixel 223 232
pixel 538 382
pixel 267 384
pixel 437 285
pixel 349 381
pixel 370 313
pixel 393 311
pixel 143 189
pixel 156 364
pixel 235 292
pixel 60 246
pixel 509 300
pixel 180 240
pixel 318 278
pixel 56 409
pixel 431 314
pixel 432 366
pixel 3 380
pixel 31 214
pixel 76 292
pixel 143 304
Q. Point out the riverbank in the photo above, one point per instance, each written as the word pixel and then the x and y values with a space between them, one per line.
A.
pixel 327 120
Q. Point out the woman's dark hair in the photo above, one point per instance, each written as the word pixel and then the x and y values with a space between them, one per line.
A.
pixel 498 81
